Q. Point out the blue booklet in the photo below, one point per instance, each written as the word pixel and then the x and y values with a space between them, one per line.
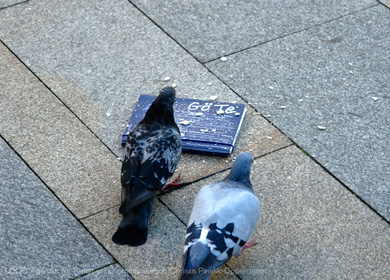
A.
pixel 207 127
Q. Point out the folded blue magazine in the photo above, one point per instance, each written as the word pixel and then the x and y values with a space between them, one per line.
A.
pixel 207 127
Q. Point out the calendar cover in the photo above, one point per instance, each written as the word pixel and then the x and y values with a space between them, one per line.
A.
pixel 207 127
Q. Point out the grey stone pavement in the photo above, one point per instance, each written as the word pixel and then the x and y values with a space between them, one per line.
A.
pixel 71 73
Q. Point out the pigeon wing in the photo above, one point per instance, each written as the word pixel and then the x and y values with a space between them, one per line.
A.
pixel 149 164
pixel 160 159
pixel 131 163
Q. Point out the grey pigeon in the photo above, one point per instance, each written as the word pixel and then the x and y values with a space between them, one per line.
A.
pixel 152 152
pixel 224 215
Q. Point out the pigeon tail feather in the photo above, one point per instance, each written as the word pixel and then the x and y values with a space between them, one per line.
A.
pixel 128 204
pixel 133 229
pixel 199 263
pixel 130 235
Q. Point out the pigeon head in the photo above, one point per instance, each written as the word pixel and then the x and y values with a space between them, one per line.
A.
pixel 162 108
pixel 167 95
pixel 241 169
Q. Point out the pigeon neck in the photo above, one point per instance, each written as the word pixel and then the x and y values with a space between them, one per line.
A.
pixel 242 178
pixel 164 116
pixel 162 113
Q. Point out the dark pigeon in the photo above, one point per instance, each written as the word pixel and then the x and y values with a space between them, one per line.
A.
pixel 224 216
pixel 152 152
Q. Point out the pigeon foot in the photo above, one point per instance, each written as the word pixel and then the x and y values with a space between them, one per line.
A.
pixel 248 244
pixel 171 185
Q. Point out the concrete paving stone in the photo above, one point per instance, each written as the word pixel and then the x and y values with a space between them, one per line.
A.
pixel 299 169
pixel 7 3
pixel 82 172
pixel 160 257
pixel 111 272
pixel 257 136
pixel 99 56
pixel 115 93
pixel 213 29
pixel 308 229
pixel 39 238
pixel 327 76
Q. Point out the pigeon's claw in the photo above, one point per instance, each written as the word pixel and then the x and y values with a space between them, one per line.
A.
pixel 171 185
pixel 248 244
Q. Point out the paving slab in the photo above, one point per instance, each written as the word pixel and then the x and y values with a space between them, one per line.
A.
pixel 333 76
pixel 82 172
pixel 39 238
pixel 310 226
pixel 209 30
pixel 160 257
pixel 99 56
pixel 111 272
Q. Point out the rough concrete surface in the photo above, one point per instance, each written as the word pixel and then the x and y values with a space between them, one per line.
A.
pixel 39 238
pixel 72 71
pixel 256 136
pixel 210 30
pixel 60 149
pixel 9 3
pixel 310 226
pixel 111 272
pixel 328 76
pixel 159 257
pixel 99 56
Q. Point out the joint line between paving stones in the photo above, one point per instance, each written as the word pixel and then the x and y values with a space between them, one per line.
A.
pixel 315 160
pixel 63 103
pixel 2 8
pixel 100 211
pixel 185 49
pixel 170 210
pixel 92 271
pixel 63 204
pixel 343 184
pixel 298 146
pixel 232 270
pixel 292 33
pixel 220 171
pixel 163 30
pixel 249 103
